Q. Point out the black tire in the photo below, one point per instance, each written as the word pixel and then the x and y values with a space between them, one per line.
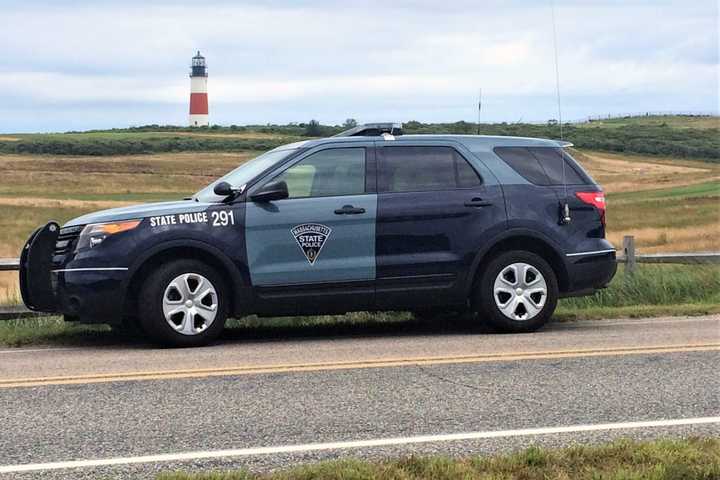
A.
pixel 486 304
pixel 150 304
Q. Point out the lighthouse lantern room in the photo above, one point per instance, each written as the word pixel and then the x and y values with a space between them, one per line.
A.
pixel 198 92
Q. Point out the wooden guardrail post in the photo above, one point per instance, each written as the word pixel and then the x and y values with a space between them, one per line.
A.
pixel 629 251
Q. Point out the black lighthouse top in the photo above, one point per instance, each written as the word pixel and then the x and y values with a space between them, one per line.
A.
pixel 198 68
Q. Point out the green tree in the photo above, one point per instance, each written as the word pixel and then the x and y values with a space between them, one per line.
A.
pixel 313 129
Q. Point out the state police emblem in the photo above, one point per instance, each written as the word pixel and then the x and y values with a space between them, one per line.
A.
pixel 311 238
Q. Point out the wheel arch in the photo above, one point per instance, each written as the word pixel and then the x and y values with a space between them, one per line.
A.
pixel 176 249
pixel 526 240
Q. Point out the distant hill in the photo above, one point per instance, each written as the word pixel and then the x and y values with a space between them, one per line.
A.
pixel 680 136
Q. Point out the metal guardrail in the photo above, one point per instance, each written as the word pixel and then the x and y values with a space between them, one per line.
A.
pixel 9 264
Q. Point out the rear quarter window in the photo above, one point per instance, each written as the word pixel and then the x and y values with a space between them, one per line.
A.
pixel 543 165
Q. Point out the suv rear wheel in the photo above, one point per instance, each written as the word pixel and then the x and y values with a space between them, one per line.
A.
pixel 183 304
pixel 518 292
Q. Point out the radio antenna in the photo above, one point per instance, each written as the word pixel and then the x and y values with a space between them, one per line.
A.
pixel 479 110
pixel 565 208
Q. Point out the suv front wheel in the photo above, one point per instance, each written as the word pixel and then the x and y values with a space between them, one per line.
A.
pixel 183 304
pixel 518 292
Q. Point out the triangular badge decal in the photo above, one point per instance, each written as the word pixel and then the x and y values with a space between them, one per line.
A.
pixel 311 238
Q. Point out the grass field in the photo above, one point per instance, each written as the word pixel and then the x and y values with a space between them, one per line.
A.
pixel 691 459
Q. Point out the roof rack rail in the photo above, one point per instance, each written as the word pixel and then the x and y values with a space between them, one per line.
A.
pixel 372 130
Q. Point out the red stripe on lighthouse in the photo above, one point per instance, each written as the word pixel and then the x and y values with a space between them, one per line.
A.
pixel 198 104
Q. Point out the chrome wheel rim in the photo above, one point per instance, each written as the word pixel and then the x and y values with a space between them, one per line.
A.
pixel 190 304
pixel 520 291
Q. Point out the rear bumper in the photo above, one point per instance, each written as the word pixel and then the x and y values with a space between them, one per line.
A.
pixel 91 295
pixel 591 271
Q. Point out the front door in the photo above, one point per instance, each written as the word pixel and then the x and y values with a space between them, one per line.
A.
pixel 316 249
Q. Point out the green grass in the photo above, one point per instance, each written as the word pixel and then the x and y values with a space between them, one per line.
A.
pixel 687 459
pixel 48 330
pixel 700 190
pixel 134 143
pixel 673 121
pixel 655 285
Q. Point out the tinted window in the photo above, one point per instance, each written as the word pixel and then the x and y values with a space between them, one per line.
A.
pixel 524 163
pixel 541 165
pixel 551 159
pixel 413 169
pixel 327 173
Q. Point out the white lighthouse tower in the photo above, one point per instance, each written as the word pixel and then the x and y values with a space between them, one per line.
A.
pixel 198 92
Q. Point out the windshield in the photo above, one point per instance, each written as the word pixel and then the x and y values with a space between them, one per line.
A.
pixel 244 173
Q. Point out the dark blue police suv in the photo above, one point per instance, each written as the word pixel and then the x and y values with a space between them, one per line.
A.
pixel 366 221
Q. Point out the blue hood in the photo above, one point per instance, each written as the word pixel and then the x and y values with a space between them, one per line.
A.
pixel 139 211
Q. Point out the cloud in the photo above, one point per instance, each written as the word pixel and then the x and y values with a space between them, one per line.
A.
pixel 284 57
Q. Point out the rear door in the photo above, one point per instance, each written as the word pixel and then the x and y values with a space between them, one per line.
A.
pixel 436 206
pixel 315 251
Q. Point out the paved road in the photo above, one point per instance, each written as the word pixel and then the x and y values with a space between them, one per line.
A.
pixel 127 401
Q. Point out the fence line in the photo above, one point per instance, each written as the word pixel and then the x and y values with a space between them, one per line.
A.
pixel 613 116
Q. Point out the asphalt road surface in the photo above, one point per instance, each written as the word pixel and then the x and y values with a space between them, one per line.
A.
pixel 131 410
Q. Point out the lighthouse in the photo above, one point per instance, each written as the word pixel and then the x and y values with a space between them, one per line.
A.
pixel 198 92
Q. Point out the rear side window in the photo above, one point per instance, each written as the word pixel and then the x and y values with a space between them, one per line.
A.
pixel 542 165
pixel 417 169
pixel 552 159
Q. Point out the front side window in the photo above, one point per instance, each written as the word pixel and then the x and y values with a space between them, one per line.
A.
pixel 334 172
pixel 417 169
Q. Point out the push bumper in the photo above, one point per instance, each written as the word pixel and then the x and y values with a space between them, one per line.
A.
pixel 36 286
pixel 87 294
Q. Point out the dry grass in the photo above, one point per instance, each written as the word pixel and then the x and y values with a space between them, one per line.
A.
pixel 668 205
pixel 9 290
pixel 623 173
pixel 703 238
pixel 58 176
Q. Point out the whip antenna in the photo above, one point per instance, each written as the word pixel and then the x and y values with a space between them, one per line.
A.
pixel 565 207
pixel 479 110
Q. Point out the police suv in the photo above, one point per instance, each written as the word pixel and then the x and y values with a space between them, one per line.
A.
pixel 370 220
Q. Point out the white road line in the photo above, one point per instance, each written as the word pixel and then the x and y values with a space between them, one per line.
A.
pixel 382 442
pixel 36 350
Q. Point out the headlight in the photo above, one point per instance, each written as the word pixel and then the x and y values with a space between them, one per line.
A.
pixel 94 234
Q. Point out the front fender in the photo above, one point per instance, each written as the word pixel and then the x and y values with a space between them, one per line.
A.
pixel 236 269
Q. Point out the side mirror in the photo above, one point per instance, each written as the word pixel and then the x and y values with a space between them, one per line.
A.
pixel 224 189
pixel 271 191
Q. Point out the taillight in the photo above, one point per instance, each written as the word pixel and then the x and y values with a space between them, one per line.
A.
pixel 596 199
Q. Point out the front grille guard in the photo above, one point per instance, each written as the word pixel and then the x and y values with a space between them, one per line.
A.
pixel 35 269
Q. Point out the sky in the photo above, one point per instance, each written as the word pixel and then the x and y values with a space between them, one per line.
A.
pixel 69 65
